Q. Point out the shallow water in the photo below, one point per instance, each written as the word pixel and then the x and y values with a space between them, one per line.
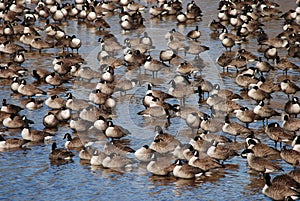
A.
pixel 29 175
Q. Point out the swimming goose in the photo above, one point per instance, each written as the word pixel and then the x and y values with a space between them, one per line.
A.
pixel 160 165
pixel 11 143
pixel 163 142
pixel 50 120
pixel 60 153
pixel 72 143
pixel 144 154
pixel 115 132
pixel 10 108
pixel 186 171
pixel 290 156
pixel 16 121
pixel 220 152
pixel 85 153
pixel 259 164
pixel 117 147
pixel 35 135
pixel 34 104
pixel 203 161
pixel 55 102
pixel 97 157
pixel 292 107
pixel 117 161
pixel 278 191
pixel 74 103
pixel 278 134
pixel 290 124
pixel 261 149
pixel 234 128
pixel 29 89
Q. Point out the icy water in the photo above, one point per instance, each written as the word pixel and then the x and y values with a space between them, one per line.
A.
pixel 29 175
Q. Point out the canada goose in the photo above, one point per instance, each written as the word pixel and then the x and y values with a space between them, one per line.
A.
pixel 239 62
pixel 290 156
pixel 15 84
pixel 63 114
pixel 34 104
pixel 10 108
pixel 209 137
pixel 244 80
pixel 50 120
pixel 194 48
pixel 115 132
pixel 259 164
pixel 290 124
pixel 245 115
pixel 156 109
pixel 234 128
pixel 16 121
pixel 270 53
pixel 194 34
pixel 125 85
pixel 258 95
pixel 91 113
pixel 226 93
pixel 75 43
pixel 210 124
pixel 278 191
pixel 295 174
pixel 186 171
pixel 117 147
pixel 267 86
pixel 163 142
pixel 105 87
pixel 186 68
pixel 224 60
pixel 97 97
pixel 263 66
pixel 39 44
pixel 72 143
pixel 153 65
pixel 101 124
pixel 97 157
pixel 11 143
pixel 108 74
pixel 200 144
pixel 85 153
pixel 161 95
pixel 278 134
pixel 284 65
pixel 79 124
pixel 261 149
pixel 193 121
pixel 220 152
pixel 29 89
pixel 203 161
pixel 40 74
pixel 188 152
pixel 54 79
pixel 74 103
pixel 292 107
pixel 35 135
pixel 55 102
pixel 265 111
pixel 180 91
pixel 60 153
pixel 160 165
pixel 144 154
pixel 228 43
pixel 287 180
pixel 289 87
pixel 296 143
pixel 117 161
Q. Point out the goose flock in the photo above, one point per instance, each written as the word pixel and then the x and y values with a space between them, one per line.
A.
pixel 168 90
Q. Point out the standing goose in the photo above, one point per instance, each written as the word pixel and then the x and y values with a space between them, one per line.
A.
pixel 199 144
pixel 153 65
pixel 289 87
pixel 258 94
pixel 278 191
pixel 220 152
pixel 292 107
pixel 194 34
pixel 186 171
pixel 209 137
pixel 278 134
pixel 259 164
pixel 234 128
pixel 290 124
pixel 245 115
pixel 76 104
pixel 114 131
pixel 265 111
pixel 193 121
pixel 11 143
pixel 60 154
pixel 261 149
pixel 72 143
pixel 161 95
pixel 290 156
